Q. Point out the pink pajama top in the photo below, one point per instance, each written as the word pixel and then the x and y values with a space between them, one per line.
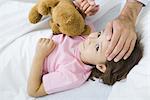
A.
pixel 63 68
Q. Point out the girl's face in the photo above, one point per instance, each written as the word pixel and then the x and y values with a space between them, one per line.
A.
pixel 92 50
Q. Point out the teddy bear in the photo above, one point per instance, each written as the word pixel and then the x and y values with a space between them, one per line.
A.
pixel 65 17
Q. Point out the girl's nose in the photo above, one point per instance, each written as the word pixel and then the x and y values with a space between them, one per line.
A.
pixel 90 40
pixel 91 37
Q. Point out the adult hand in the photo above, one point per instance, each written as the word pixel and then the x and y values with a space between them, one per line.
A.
pixel 121 32
pixel 122 36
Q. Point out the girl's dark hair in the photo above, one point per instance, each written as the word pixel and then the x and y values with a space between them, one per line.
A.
pixel 116 71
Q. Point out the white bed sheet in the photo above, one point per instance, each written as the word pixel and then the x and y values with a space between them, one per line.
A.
pixel 17 45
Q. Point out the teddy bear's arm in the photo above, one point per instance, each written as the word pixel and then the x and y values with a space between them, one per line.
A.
pixel 34 15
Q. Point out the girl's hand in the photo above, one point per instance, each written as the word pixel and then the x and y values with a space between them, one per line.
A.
pixel 88 6
pixel 44 47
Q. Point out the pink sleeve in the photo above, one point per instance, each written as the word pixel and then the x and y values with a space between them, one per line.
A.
pixel 62 80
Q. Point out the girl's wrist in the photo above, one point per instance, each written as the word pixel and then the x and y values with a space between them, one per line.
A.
pixel 39 56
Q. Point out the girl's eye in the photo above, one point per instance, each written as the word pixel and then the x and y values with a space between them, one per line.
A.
pixel 99 34
pixel 97 47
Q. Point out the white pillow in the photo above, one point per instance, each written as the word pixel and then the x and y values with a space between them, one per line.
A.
pixel 137 84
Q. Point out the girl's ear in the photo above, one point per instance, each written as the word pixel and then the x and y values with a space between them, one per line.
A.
pixel 101 67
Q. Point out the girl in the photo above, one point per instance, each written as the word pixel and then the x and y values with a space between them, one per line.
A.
pixel 63 63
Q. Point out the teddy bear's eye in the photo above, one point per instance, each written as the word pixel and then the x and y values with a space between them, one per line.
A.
pixel 58 25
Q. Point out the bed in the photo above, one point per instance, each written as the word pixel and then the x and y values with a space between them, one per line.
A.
pixel 18 39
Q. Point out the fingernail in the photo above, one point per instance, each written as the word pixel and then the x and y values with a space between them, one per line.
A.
pixel 97 5
pixel 125 58
pixel 109 58
pixel 116 60
pixel 91 3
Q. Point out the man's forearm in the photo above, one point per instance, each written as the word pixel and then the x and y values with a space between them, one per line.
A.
pixel 132 9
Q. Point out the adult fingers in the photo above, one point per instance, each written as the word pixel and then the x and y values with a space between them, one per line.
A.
pixel 124 50
pixel 115 38
pixel 119 46
pixel 130 49
pixel 109 30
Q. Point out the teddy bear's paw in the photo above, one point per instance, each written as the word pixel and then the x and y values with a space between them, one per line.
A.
pixel 43 9
pixel 34 17
pixel 55 33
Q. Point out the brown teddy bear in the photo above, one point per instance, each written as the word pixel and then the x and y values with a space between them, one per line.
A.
pixel 65 18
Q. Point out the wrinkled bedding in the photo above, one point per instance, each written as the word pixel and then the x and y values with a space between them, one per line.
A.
pixel 18 39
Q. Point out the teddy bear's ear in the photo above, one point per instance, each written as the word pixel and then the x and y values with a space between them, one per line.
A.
pixel 44 7
pixel 51 3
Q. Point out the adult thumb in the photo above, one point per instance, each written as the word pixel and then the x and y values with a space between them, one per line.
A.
pixel 109 30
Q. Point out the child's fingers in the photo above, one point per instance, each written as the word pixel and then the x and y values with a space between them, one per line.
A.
pixel 91 2
pixel 80 1
pixel 93 11
pixel 96 8
pixel 83 3
pixel 42 40
pixel 39 40
pixel 86 6
pixel 47 41
pixel 89 14
pixel 88 9
pixel 52 45
pixel 51 42
pixel 77 3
